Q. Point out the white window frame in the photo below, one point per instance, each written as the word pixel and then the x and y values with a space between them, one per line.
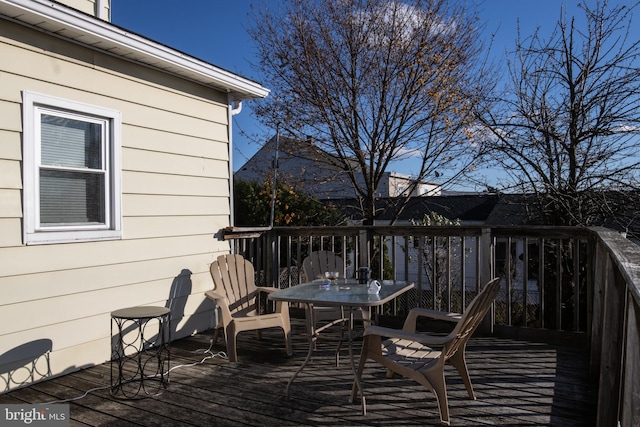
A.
pixel 35 104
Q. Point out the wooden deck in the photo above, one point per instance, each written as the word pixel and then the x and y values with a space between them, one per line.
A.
pixel 516 382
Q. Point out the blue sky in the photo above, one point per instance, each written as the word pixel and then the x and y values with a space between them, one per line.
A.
pixel 215 31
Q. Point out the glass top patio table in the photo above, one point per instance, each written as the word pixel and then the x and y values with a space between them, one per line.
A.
pixel 342 293
pixel 345 293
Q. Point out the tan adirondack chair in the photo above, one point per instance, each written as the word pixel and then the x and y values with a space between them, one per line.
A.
pixel 313 267
pixel 318 262
pixel 412 354
pixel 237 296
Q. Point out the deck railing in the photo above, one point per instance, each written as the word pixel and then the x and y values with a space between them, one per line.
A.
pixel 546 281
pixel 557 282
pixel 615 326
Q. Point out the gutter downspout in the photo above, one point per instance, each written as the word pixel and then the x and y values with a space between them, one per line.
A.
pixel 234 108
pixel 103 10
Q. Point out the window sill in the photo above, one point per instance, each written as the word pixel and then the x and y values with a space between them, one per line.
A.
pixel 45 238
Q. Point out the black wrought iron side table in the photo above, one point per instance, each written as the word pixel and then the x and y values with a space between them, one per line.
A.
pixel 140 354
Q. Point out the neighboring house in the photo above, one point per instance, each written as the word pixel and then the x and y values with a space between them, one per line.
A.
pixel 114 180
pixel 395 184
pixel 470 209
pixel 308 168
pixel 301 164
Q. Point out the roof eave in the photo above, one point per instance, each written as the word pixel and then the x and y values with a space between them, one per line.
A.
pixel 71 24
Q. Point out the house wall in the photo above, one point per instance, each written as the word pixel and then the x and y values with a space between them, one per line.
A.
pixel 396 185
pixel 175 197
pixel 90 7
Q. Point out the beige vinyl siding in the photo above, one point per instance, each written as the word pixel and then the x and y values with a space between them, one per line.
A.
pixel 75 306
pixel 10 145
pixel 145 227
pixel 10 177
pixel 147 205
pixel 10 228
pixel 86 6
pixel 155 140
pixel 174 164
pixel 10 203
pixel 156 183
pixel 9 119
pixel 10 173
pixel 175 198
pixel 49 258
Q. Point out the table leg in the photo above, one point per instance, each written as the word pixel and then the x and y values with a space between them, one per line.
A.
pixel 353 365
pixel 313 336
pixel 311 330
pixel 341 338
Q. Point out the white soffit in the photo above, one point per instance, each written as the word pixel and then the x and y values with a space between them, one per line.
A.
pixel 87 30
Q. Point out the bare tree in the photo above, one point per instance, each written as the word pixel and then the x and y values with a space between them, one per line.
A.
pixel 372 82
pixel 567 128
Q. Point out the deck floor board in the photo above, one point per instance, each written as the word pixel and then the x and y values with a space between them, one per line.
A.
pixel 517 383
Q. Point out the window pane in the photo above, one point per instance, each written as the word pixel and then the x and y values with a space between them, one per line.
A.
pixel 71 143
pixel 71 197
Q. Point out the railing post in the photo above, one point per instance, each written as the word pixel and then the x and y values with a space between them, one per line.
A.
pixel 486 273
pixel 602 270
pixel 272 268
pixel 364 254
pixel 630 390
pixel 486 257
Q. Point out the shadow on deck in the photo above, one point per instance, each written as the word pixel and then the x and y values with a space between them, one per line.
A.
pixel 516 382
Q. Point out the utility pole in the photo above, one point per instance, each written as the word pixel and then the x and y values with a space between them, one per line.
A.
pixel 275 177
